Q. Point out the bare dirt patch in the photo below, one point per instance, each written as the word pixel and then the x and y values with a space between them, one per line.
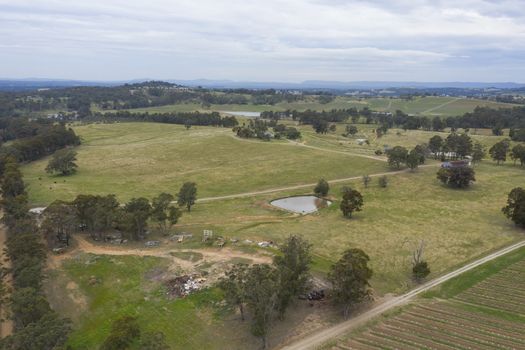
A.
pixel 64 296
pixel 211 262
pixel 6 325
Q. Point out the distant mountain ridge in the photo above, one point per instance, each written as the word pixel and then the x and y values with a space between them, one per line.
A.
pixel 38 83
pixel 339 85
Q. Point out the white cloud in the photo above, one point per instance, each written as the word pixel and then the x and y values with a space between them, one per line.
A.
pixel 266 40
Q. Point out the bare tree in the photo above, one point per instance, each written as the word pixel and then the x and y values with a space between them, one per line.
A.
pixel 420 268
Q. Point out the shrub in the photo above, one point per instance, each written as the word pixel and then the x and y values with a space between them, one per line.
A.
pixel 322 188
pixel 420 270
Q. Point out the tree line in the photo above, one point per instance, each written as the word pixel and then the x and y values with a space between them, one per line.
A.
pixel 182 118
pixel 481 117
pixel 129 96
pixel 98 214
pixel 34 140
pixel 259 128
pixel 37 326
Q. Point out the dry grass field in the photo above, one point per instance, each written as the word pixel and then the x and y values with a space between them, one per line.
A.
pixel 143 159
pixel 138 159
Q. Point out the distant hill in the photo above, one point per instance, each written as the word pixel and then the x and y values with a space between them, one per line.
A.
pixel 35 84
pixel 339 85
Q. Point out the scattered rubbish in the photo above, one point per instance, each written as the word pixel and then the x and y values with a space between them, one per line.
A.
pixel 112 236
pixel 183 285
pixel 313 295
pixel 37 210
pixel 265 244
pixel 59 250
pixel 221 242
pixel 152 243
pixel 180 237
pixel 118 241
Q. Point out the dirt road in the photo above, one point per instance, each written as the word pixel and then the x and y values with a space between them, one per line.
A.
pixel 317 339
pixel 213 256
pixel 381 159
pixel 295 187
pixel 300 144
pixel 6 326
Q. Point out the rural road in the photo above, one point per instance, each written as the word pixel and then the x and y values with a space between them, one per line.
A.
pixel 295 187
pixel 317 339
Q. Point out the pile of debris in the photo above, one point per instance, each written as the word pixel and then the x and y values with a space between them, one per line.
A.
pixel 118 241
pixel 152 243
pixel 181 286
pixel 265 244
pixel 313 295
pixel 180 237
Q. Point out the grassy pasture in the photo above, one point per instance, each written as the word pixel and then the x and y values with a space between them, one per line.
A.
pixel 456 225
pixel 144 159
pixel 394 137
pixel 432 105
pixel 134 159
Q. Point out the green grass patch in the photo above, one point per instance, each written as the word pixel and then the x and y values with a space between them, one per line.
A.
pixel 321 264
pixel 509 316
pixel 470 278
pixel 144 159
pixel 127 285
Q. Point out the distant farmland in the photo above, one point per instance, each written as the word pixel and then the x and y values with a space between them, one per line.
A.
pixel 431 105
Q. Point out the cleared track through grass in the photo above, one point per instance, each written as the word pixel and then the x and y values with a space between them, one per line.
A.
pixel 317 339
pixel 296 187
pixel 440 106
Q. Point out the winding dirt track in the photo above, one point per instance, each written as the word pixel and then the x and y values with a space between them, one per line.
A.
pixel 381 159
pixel 292 143
pixel 317 339
pixel 219 255
pixel 295 187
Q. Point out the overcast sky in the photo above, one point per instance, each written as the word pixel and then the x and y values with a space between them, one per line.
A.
pixel 266 40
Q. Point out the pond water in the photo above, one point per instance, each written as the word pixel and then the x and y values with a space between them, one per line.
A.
pixel 301 204
pixel 244 114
